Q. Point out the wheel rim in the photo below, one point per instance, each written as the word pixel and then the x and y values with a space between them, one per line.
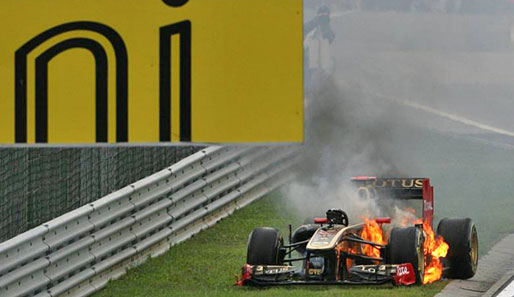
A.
pixel 421 257
pixel 473 252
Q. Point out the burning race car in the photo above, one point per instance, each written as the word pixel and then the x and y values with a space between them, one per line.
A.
pixel 331 251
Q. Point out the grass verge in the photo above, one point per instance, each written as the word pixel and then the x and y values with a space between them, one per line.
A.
pixel 206 264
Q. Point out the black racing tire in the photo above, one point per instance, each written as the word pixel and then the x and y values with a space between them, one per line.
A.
pixel 461 236
pixel 406 246
pixel 303 233
pixel 264 247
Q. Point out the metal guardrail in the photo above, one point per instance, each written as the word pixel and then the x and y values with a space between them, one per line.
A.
pixel 78 253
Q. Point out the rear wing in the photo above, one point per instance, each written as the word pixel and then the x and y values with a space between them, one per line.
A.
pixel 400 188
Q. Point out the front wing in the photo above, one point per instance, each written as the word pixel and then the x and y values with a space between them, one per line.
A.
pixel 283 275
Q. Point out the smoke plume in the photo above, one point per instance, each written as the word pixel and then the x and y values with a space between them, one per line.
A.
pixel 346 135
pixel 443 66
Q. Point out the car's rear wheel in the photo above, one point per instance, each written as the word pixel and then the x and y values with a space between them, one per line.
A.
pixel 406 246
pixel 264 247
pixel 461 236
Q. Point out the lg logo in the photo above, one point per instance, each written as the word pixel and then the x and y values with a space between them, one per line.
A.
pixel 48 45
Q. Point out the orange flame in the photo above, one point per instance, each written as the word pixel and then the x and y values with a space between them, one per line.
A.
pixel 349 261
pixel 346 246
pixel 434 249
pixel 372 231
pixel 410 217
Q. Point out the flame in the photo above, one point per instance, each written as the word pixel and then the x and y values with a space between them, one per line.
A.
pixel 348 247
pixel 409 217
pixel 349 261
pixel 434 249
pixel 410 210
pixel 372 231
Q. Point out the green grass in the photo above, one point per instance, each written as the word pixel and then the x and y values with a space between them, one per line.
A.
pixel 206 264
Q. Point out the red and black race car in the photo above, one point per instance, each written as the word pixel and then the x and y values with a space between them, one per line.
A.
pixel 331 251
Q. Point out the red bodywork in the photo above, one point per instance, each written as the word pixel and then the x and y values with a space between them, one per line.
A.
pixel 320 220
pixel 404 275
pixel 428 202
pixel 246 274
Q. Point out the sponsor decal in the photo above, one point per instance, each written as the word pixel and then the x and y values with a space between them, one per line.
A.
pixel 74 72
pixel 402 270
pixel 427 205
pixel 404 274
pixel 381 269
pixel 274 269
pixel 320 243
pixel 406 183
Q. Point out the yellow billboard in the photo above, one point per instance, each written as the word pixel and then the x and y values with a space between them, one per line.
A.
pixel 145 71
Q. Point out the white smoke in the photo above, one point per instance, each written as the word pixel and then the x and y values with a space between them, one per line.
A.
pixel 346 135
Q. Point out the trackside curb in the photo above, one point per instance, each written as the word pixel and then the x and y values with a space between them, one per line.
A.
pixel 500 285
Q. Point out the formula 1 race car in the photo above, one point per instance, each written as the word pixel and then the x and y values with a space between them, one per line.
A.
pixel 331 251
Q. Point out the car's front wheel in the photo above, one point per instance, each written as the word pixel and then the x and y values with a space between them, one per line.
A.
pixel 264 247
